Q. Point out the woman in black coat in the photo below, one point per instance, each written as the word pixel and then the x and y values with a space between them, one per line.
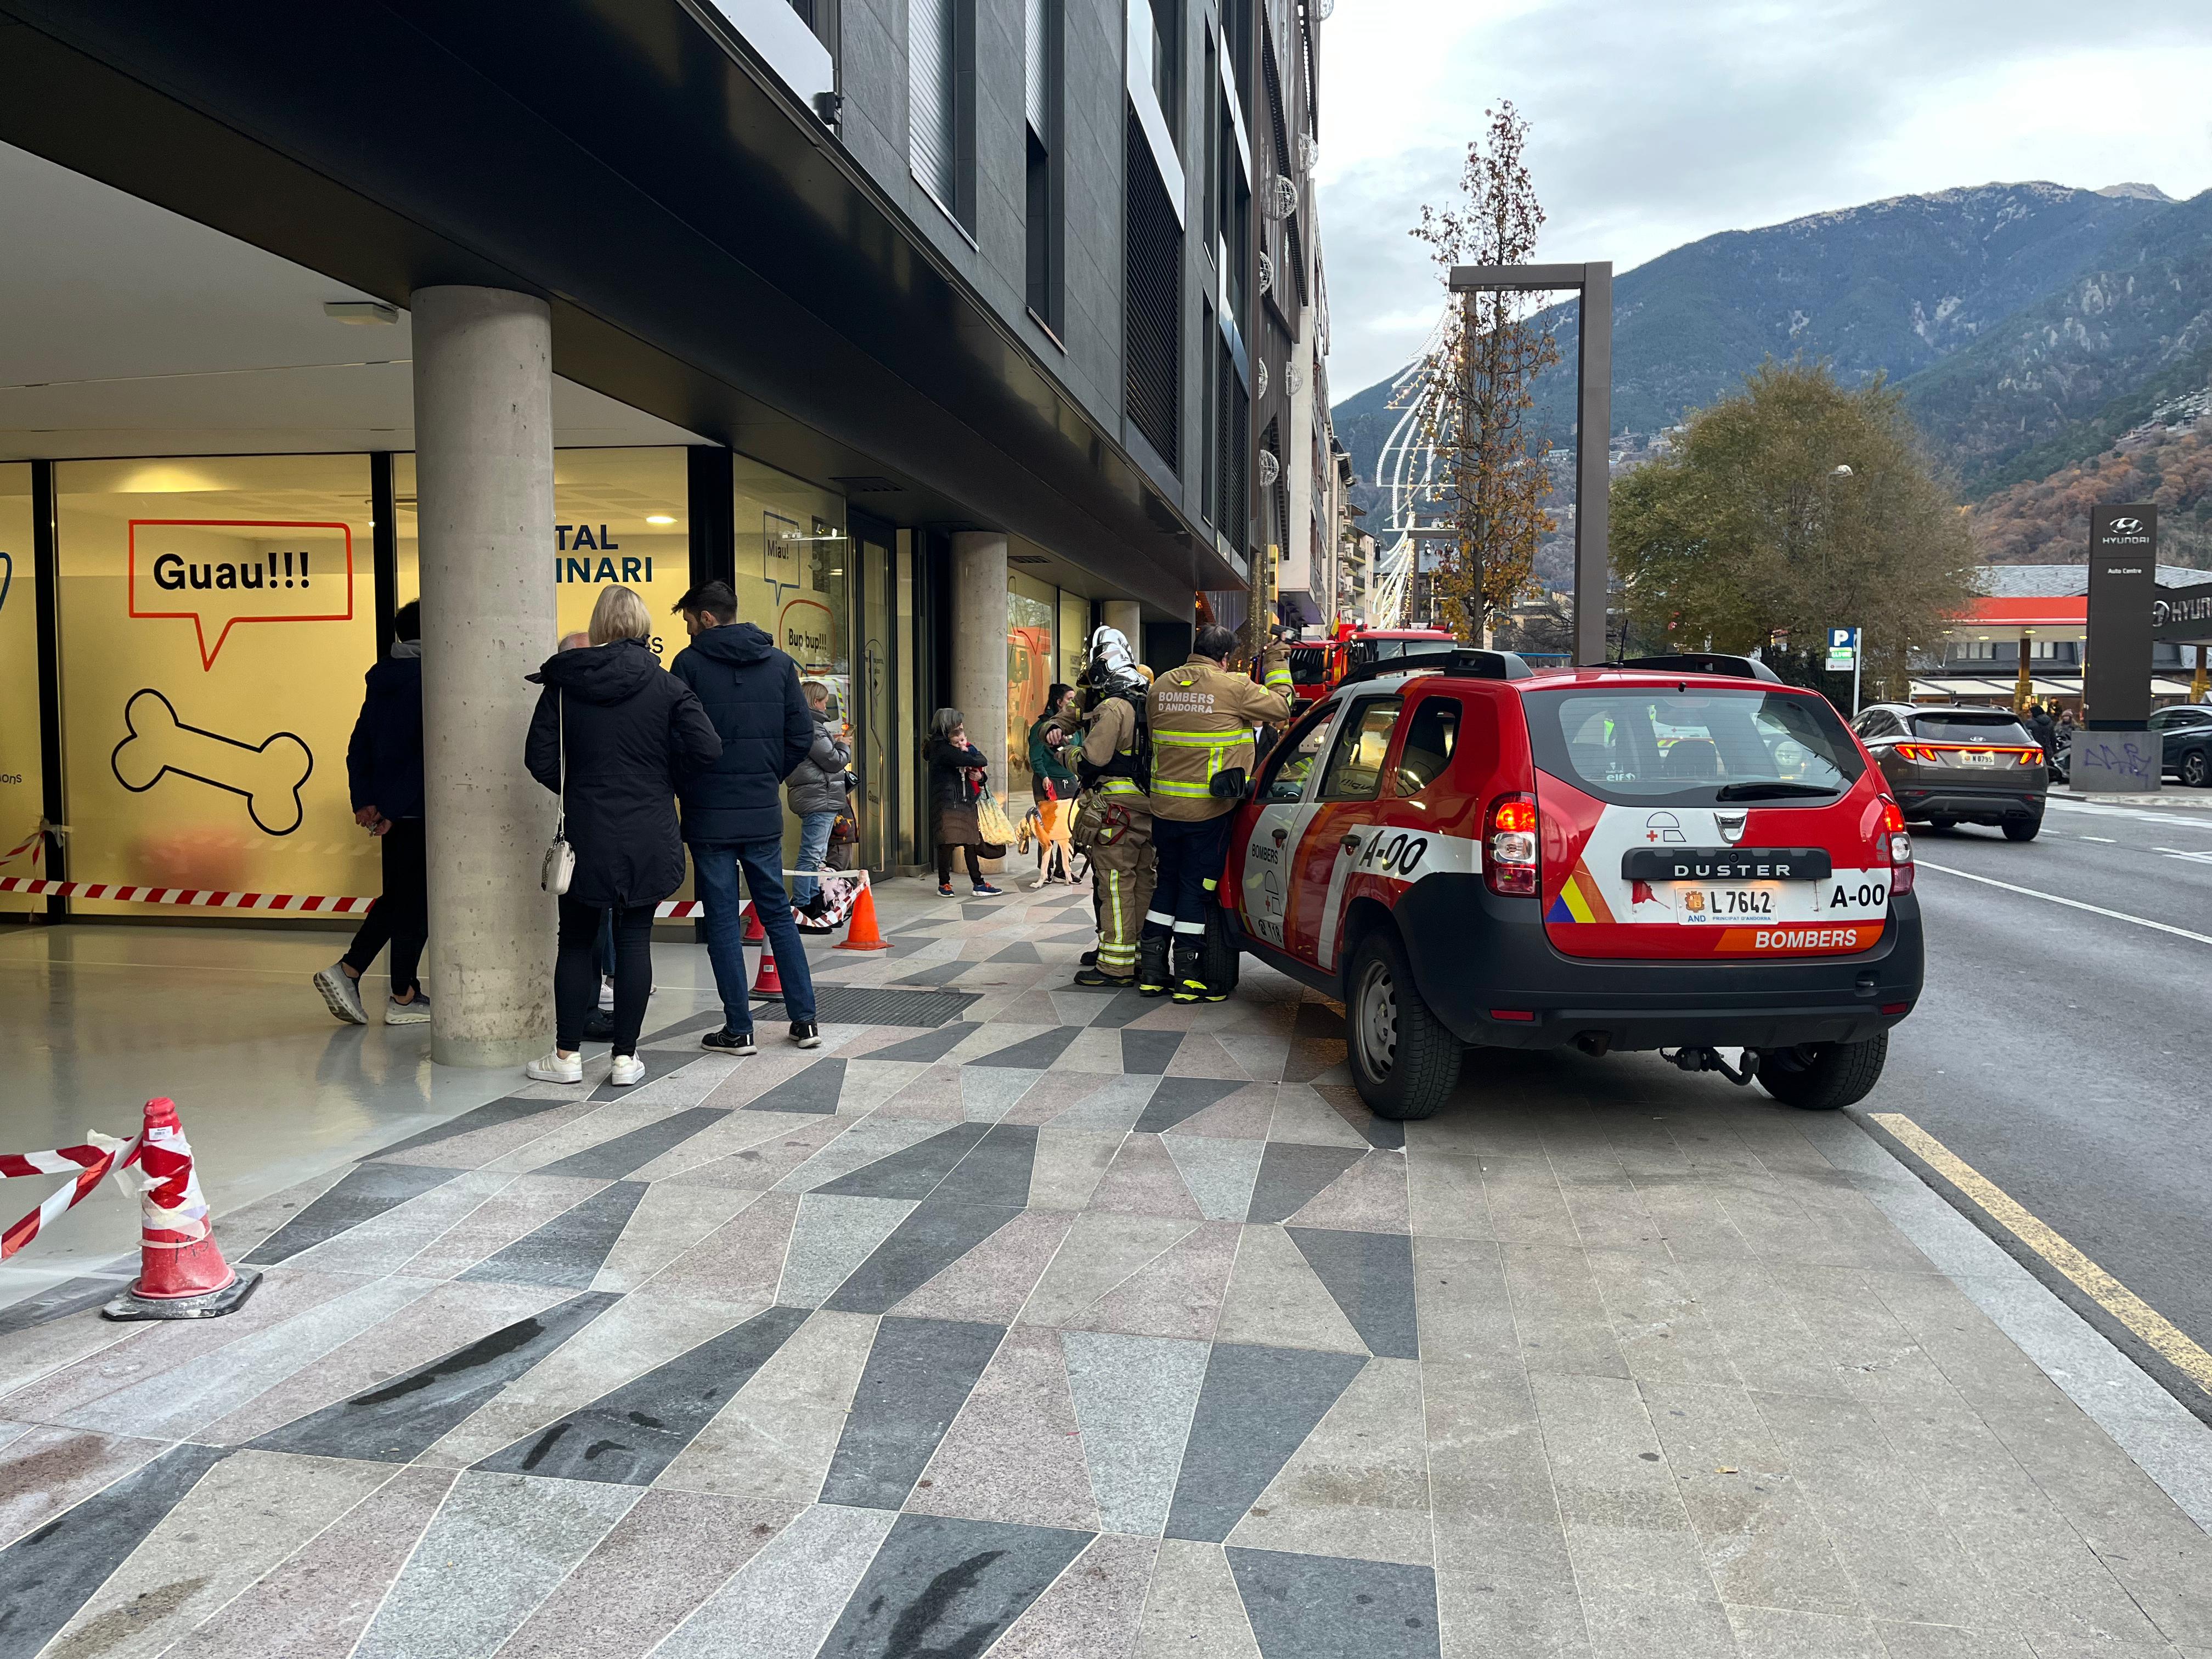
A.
pixel 629 732
pixel 956 772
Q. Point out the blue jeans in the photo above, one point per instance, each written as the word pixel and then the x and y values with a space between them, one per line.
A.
pixel 714 867
pixel 813 853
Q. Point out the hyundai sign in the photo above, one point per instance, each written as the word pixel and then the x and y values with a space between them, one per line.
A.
pixel 2122 586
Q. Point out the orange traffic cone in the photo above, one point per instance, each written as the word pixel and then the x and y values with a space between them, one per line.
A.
pixel 767 983
pixel 754 931
pixel 861 935
pixel 181 1271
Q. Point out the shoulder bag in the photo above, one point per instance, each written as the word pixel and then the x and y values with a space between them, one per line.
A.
pixel 560 868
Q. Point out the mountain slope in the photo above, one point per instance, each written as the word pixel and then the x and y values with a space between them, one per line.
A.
pixel 1894 287
pixel 2061 379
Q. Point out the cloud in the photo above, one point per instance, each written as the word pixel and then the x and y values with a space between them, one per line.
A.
pixel 1654 124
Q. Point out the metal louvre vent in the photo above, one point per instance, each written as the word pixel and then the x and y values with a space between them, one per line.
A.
pixel 868 1005
pixel 932 97
pixel 1151 331
pixel 1232 425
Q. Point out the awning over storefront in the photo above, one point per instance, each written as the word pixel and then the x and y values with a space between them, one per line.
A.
pixel 1947 689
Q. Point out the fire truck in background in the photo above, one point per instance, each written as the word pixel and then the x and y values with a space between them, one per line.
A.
pixel 1318 666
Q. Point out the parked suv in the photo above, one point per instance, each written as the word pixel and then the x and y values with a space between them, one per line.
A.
pixel 2185 736
pixel 1959 765
pixel 1677 853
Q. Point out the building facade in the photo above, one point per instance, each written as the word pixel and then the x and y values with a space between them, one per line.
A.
pixel 924 324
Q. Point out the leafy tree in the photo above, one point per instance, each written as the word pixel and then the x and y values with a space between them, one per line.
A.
pixel 1749 529
pixel 1473 387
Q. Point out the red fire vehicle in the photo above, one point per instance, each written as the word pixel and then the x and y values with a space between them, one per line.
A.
pixel 1678 853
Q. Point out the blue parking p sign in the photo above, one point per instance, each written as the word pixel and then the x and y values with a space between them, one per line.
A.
pixel 1842 639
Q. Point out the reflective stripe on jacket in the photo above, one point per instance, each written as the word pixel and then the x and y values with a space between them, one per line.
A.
pixel 1201 716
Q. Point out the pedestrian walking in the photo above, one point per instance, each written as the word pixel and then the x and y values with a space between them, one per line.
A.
pixel 612 736
pixel 1201 717
pixel 1114 816
pixel 384 777
pixel 1054 736
pixel 2045 730
pixel 734 811
pixel 817 793
pixel 958 773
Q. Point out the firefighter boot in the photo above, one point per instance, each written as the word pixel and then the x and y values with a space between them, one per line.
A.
pixel 1189 982
pixel 1093 974
pixel 1152 965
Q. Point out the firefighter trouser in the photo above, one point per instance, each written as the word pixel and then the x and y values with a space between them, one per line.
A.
pixel 1191 859
pixel 1121 886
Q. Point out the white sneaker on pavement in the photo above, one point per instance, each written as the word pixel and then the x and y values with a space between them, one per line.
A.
pixel 341 995
pixel 552 1067
pixel 628 1069
pixel 416 1013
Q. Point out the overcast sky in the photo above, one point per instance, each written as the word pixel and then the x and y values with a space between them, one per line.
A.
pixel 1656 122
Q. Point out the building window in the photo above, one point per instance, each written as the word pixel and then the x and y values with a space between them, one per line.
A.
pixel 1151 302
pixel 941 102
pixel 1167 64
pixel 1042 202
pixel 1232 413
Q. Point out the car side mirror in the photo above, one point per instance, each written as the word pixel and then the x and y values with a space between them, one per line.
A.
pixel 1283 794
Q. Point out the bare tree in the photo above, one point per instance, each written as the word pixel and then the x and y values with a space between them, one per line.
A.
pixel 1473 390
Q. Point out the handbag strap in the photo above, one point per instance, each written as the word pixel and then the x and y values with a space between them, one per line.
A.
pixel 561 750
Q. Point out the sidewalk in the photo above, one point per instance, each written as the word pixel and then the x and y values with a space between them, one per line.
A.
pixel 1038 1323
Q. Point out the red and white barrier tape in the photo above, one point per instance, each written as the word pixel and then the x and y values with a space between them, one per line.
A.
pixel 298 903
pixel 35 845
pixel 91 1164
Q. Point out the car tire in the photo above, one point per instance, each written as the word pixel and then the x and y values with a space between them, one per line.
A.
pixel 2022 828
pixel 2196 769
pixel 1823 1076
pixel 1404 1062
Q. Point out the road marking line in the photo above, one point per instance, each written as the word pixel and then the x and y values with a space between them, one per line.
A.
pixel 2162 1335
pixel 2108 839
pixel 2072 904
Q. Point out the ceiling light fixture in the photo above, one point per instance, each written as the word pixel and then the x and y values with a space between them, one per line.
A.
pixel 659 518
pixel 359 312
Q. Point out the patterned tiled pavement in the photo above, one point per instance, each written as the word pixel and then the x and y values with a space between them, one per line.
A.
pixel 1058 1324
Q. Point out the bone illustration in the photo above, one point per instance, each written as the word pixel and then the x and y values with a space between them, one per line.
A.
pixel 269 774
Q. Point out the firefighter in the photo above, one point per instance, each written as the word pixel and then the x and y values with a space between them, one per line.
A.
pixel 1113 816
pixel 1202 718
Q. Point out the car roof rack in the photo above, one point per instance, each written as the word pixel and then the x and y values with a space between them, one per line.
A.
pixel 1706 662
pixel 1437 657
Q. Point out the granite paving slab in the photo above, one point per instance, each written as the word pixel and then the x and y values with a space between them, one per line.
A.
pixel 918 1377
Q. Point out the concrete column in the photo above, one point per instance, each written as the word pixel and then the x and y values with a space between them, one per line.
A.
pixel 1129 618
pixel 979 644
pixel 483 470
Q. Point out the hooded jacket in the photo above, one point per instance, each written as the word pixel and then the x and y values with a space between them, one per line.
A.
pixel 632 733
pixel 750 690
pixel 818 784
pixel 384 760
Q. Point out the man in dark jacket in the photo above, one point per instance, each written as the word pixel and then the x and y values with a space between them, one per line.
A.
pixel 384 773
pixel 733 812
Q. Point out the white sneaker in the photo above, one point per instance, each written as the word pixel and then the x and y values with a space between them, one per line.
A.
pixel 628 1069
pixel 341 995
pixel 416 1013
pixel 552 1067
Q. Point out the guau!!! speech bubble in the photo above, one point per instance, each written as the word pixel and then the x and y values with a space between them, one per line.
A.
pixel 228 571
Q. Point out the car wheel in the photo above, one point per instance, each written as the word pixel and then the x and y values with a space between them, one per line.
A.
pixel 1820 1076
pixel 2196 769
pixel 1404 1062
pixel 2022 828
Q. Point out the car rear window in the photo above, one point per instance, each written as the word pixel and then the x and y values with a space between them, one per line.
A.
pixel 1957 726
pixel 1695 747
pixel 1308 664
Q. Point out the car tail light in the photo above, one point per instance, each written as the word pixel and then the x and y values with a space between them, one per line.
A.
pixel 1943 754
pixel 1899 845
pixel 1509 846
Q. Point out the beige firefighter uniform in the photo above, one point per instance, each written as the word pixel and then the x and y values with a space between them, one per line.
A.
pixel 1114 826
pixel 1202 715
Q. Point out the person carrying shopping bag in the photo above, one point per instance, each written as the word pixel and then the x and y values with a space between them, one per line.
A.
pixel 612 736
pixel 958 772
pixel 816 793
pixel 1053 736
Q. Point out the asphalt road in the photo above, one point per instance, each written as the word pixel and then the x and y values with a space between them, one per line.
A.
pixel 2067 1055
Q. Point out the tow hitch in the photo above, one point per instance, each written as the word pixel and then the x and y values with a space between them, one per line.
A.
pixel 1708 1060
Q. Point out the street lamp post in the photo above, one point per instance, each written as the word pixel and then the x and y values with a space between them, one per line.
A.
pixel 1593 421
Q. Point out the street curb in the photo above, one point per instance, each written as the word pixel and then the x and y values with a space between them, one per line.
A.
pixel 2163 1437
pixel 2199 800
